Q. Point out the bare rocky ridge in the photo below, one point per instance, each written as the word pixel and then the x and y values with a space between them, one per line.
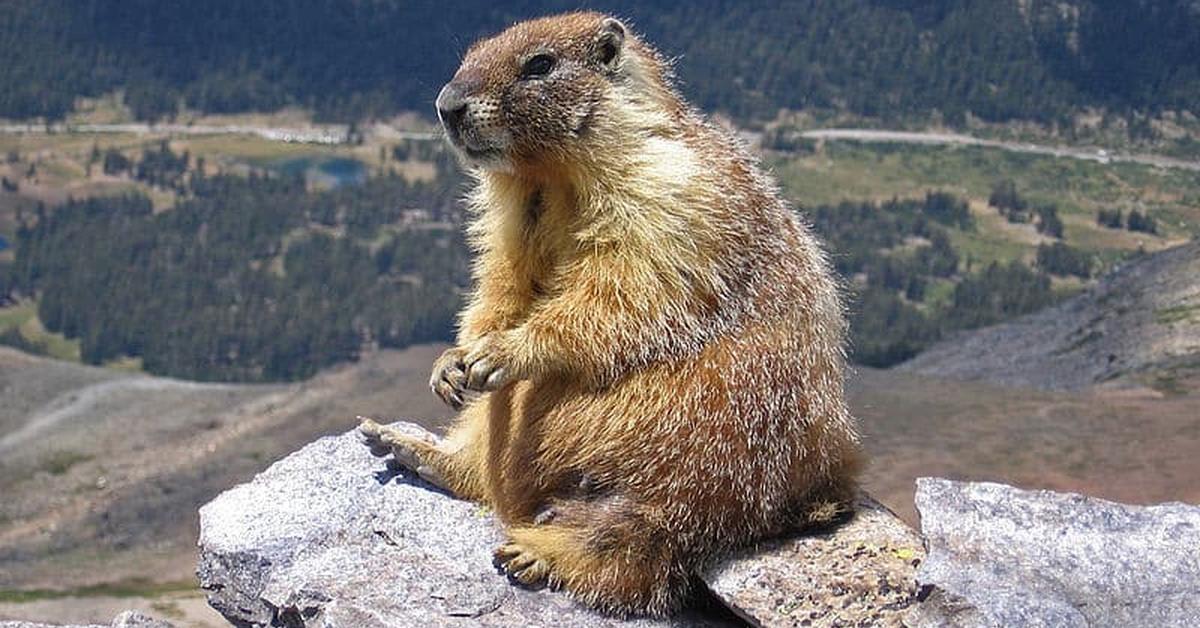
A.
pixel 102 467
pixel 1139 325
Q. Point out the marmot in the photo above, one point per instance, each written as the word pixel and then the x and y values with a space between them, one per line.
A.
pixel 658 339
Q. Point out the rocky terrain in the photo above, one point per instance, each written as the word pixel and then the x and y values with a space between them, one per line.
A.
pixel 125 619
pixel 1000 556
pixel 104 470
pixel 332 537
pixel 1139 325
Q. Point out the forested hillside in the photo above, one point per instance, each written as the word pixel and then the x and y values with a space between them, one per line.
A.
pixel 348 59
pixel 256 278
pixel 250 278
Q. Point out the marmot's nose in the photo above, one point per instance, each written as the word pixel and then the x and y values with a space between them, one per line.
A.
pixel 451 105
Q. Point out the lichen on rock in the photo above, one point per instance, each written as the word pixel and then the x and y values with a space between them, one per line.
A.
pixel 861 573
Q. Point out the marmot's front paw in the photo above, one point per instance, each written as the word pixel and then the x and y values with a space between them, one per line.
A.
pixel 449 378
pixel 488 364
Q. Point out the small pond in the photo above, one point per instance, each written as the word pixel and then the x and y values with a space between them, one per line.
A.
pixel 324 171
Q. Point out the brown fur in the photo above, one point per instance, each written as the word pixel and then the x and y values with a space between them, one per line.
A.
pixel 660 340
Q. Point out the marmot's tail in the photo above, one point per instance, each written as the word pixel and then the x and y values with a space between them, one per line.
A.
pixel 830 503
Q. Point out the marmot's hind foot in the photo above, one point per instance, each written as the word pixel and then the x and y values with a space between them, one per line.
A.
pixel 616 563
pixel 414 447
pixel 523 566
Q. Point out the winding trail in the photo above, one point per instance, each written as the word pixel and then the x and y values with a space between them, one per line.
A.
pixel 957 139
pixel 339 134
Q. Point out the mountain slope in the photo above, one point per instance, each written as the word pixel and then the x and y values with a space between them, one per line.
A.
pixel 1141 324
pixel 104 467
pixel 111 485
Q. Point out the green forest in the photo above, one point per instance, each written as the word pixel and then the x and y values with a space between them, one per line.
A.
pixel 352 59
pixel 256 278
pixel 896 253
pixel 264 277
pixel 250 278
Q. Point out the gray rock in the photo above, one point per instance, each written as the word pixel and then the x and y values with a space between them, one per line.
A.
pixel 333 537
pixel 1001 556
pixel 127 619
pixel 134 619
pixel 860 574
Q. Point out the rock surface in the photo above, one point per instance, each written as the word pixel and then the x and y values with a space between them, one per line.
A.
pixel 128 619
pixel 333 537
pixel 861 574
pixel 1001 556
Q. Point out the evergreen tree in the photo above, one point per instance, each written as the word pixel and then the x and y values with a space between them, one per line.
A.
pixel 1048 221
pixel 1142 222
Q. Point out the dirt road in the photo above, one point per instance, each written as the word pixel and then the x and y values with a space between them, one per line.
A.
pixel 1098 155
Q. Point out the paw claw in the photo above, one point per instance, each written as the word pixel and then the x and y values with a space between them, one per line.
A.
pixel 487 365
pixel 502 555
pixel 497 379
pixel 522 566
pixel 449 377
pixel 479 373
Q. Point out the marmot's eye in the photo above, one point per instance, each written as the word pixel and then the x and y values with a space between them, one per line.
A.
pixel 537 65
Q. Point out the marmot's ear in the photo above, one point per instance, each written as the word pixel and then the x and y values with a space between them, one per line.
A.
pixel 609 42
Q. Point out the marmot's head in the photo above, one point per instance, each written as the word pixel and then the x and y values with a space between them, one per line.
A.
pixel 537 90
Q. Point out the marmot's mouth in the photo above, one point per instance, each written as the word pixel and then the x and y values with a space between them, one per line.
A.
pixel 480 153
pixel 473 153
pixel 464 145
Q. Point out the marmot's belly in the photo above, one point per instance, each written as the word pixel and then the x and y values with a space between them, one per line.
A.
pixel 720 432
